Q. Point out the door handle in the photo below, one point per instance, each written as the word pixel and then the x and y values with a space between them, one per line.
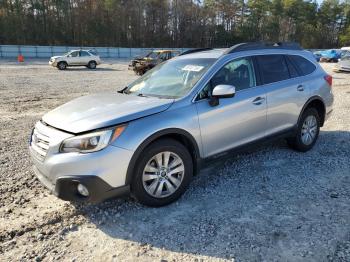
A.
pixel 300 88
pixel 258 101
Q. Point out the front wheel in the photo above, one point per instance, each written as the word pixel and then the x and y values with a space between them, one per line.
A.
pixel 62 65
pixel 162 174
pixel 92 65
pixel 307 131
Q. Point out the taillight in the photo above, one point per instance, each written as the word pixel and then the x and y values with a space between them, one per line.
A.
pixel 329 79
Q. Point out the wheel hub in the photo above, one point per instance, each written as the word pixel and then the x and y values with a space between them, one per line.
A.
pixel 163 173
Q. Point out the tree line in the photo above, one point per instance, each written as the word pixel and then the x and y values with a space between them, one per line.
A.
pixel 174 23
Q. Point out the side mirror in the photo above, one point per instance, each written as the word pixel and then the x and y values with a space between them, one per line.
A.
pixel 221 91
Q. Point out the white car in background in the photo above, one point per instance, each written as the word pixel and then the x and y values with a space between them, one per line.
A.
pixel 343 64
pixel 87 58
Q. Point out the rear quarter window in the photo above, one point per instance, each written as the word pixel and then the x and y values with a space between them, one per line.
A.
pixel 303 65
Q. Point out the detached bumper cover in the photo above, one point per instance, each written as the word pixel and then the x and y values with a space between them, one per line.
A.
pixel 54 64
pixel 66 188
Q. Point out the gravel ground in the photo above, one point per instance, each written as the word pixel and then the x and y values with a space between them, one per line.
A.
pixel 267 204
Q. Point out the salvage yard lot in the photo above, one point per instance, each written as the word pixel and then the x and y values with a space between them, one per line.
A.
pixel 269 204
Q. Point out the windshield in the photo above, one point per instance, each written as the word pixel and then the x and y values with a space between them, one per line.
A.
pixel 152 55
pixel 174 78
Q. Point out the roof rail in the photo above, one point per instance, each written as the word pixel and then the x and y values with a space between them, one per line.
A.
pixel 191 51
pixel 262 45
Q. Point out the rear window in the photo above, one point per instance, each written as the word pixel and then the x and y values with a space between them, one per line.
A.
pixel 305 66
pixel 273 68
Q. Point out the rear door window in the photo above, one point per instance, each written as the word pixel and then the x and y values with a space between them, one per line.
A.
pixel 273 68
pixel 305 66
pixel 84 53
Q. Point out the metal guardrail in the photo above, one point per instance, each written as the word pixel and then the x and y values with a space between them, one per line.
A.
pixel 10 51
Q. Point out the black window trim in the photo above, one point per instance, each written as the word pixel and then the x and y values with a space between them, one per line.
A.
pixel 258 78
pixel 289 62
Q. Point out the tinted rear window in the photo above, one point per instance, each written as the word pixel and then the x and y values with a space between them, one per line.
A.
pixel 273 68
pixel 305 67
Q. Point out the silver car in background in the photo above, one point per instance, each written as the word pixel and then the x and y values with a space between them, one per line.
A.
pixel 343 64
pixel 150 138
pixel 87 58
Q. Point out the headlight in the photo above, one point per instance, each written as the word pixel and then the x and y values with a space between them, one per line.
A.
pixel 91 142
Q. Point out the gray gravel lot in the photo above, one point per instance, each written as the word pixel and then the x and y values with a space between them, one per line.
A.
pixel 266 204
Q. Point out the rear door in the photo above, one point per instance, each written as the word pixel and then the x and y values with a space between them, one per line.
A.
pixel 286 92
pixel 84 58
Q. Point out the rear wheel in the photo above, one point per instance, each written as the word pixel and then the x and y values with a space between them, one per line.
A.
pixel 307 132
pixel 163 173
pixel 92 65
pixel 62 65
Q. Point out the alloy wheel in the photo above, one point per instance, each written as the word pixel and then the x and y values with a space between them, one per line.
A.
pixel 309 130
pixel 163 174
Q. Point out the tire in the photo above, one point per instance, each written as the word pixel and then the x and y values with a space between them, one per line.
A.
pixel 62 65
pixel 307 131
pixel 92 65
pixel 154 184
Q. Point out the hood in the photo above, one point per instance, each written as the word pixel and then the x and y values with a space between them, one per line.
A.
pixel 102 110
pixel 57 56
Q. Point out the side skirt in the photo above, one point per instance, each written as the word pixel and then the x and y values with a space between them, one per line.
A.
pixel 204 162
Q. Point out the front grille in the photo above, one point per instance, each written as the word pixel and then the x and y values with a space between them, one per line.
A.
pixel 40 144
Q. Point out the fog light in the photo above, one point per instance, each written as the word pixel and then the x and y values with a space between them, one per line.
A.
pixel 83 190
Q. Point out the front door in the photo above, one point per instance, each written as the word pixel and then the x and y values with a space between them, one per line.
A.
pixel 237 120
pixel 73 58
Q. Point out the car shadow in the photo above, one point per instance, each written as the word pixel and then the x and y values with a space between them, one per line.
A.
pixel 265 203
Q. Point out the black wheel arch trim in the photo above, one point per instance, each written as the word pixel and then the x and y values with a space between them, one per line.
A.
pixel 308 102
pixel 154 137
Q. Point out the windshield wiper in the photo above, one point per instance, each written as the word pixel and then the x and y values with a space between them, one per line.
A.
pixel 124 91
pixel 142 95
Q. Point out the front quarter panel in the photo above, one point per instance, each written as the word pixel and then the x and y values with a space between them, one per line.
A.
pixel 178 116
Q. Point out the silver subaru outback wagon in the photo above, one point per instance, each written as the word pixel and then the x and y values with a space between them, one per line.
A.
pixel 150 138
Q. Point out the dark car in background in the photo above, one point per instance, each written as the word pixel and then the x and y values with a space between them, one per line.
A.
pixel 142 64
